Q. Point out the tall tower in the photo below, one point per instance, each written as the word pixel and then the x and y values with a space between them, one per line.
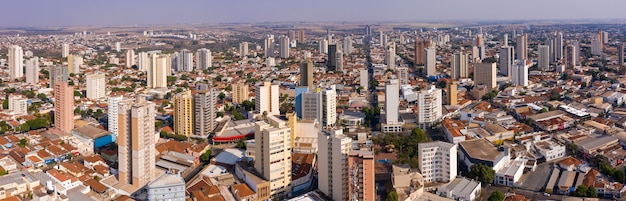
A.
pixel 130 58
pixel 452 93
pixel 113 104
pixel 58 74
pixel 431 57
pixel 332 57
pixel 323 46
pixel 334 148
pixel 135 139
pixel 361 176
pixel 570 56
pixel 620 54
pixel 301 36
pixel 507 60
pixel 269 46
pixel 390 57
pixel 485 74
pixel 16 61
pixel 392 102
pixel 240 93
pixel 65 50
pixel 205 112
pixel 266 100
pixel 272 156
pixel 543 62
pixel 96 86
pixel 183 113
pixel 458 65
pixel 420 45
pixel 347 45
pixel 403 75
pixel 429 102
pixel 204 59
pixel 63 107
pixel 522 47
pixel 32 70
pixel 143 61
pixel 559 46
pixel 520 75
pixel 184 62
pixel 320 104
pixel 306 74
pixel 442 161
pixel 243 49
pixel 364 79
pixel 157 72
pixel 283 43
pixel 73 64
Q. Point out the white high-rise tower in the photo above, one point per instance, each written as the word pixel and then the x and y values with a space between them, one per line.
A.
pixel 16 62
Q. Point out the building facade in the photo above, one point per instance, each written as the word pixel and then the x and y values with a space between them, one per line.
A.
pixel 183 113
pixel 334 148
pixel 273 154
pixel 437 161
pixel 136 142
pixel 204 112
pixel 63 107
pixel 96 86
pixel 266 100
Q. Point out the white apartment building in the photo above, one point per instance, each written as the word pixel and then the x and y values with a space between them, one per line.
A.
pixel 333 150
pixel 266 100
pixel 16 62
pixel 429 102
pixel 96 86
pixel 18 105
pixel 204 59
pixel 273 153
pixel 32 70
pixel 392 102
pixel 437 161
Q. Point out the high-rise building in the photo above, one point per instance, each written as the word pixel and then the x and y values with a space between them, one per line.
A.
pixel 283 43
pixel 520 74
pixel 184 61
pixel 339 66
pixel 543 61
pixel 266 100
pixel 452 93
pixel 63 106
pixel 392 102
pixel 240 93
pixel 485 74
pixel 272 154
pixel 558 51
pixel 243 49
pixel 32 70
pixel 332 157
pixel 157 72
pixel 143 61
pixel 521 47
pixel 291 34
pixel 505 40
pixel 323 46
pixel 390 57
pixel 596 47
pixel 576 52
pixel 301 38
pixel 507 60
pixel 420 46
pixel 403 75
pixel 306 73
pixel 430 59
pixel 429 102
pixel 136 142
pixel 183 113
pixel 118 47
pixel 382 39
pixel 96 86
pixel 16 62
pixel 321 105
pixel 603 37
pixel 205 112
pixel 130 58
pixel 58 74
pixel 368 30
pixel 332 57
pixel 437 161
pixel 268 46
pixel 364 79
pixel 551 42
pixel 204 59
pixel 620 54
pixel 361 176
pixel 65 50
pixel 570 56
pixel 458 66
pixel 18 105
pixel 113 104
pixel 347 45
pixel 73 63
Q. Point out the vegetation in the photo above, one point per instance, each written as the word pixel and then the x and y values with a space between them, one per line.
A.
pixel 371 115
pixel 206 156
pixel 241 144
pixel 584 191
pixel 392 196
pixel 496 196
pixel 407 145
pixel 482 173
pixel 178 137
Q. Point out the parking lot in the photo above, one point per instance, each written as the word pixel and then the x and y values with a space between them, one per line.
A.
pixel 536 180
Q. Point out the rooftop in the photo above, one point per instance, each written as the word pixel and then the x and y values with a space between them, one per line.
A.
pixel 91 131
pixel 167 180
pixel 480 149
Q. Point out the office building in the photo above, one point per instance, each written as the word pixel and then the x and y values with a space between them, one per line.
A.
pixel 403 75
pixel 65 50
pixel 32 70
pixel 458 66
pixel 63 107
pixel 144 61
pixel 390 57
pixel 507 60
pixel 240 93
pixel 543 61
pixel 58 74
pixel 306 73
pixel 266 100
pixel 268 46
pixel 18 105
pixel 347 45
pixel 420 46
pixel 323 46
pixel 183 113
pixel 361 176
pixel 283 44
pixel 157 72
pixel 332 157
pixel 520 75
pixel 437 161
pixel 184 61
pixel 364 79
pixel 96 86
pixel 332 57
pixel 485 74
pixel 73 64
pixel 130 58
pixel 521 47
pixel 243 49
pixel 204 59
pixel 136 142
pixel 205 113
pixel 430 67
pixel 16 62
pixel 429 103
pixel 452 93
pixel 320 104
pixel 272 156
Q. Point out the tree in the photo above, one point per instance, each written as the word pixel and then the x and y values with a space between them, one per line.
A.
pixel 591 192
pixel 482 173
pixel 496 196
pixel 23 142
pixel 392 196
pixel 206 156
pixel 5 103
pixel 619 176
pixel 241 144
pixel 41 96
pixel 221 96
pixel 581 191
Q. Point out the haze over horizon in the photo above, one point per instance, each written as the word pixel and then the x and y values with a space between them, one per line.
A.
pixel 123 12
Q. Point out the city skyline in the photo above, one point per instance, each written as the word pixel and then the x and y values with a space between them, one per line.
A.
pixel 46 13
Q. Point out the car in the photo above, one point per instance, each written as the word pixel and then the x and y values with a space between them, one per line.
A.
pixel 546 194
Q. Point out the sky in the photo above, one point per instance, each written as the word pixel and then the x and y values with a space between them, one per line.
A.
pixel 32 13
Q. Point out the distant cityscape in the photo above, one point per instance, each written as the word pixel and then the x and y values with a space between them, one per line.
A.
pixel 314 112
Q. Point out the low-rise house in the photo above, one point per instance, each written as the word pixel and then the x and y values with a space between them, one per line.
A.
pixel 460 189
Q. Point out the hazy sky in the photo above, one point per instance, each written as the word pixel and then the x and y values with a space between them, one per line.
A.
pixel 140 12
